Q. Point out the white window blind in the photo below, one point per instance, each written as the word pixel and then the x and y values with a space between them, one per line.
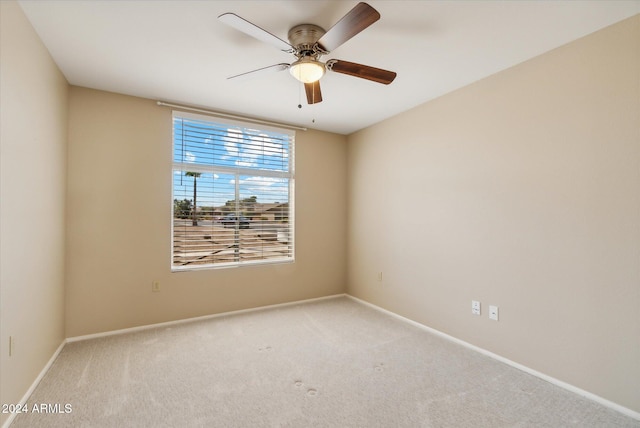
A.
pixel 232 193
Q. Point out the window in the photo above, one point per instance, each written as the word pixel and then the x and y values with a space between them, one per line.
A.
pixel 232 193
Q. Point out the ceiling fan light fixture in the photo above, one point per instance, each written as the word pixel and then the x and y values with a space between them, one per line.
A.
pixel 307 70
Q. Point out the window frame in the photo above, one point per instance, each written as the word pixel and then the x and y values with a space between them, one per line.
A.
pixel 237 172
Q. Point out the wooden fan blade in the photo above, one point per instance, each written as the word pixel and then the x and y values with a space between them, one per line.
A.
pixel 260 71
pixel 356 20
pixel 314 95
pixel 241 24
pixel 362 71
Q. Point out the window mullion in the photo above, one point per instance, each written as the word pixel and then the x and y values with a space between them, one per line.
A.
pixel 238 217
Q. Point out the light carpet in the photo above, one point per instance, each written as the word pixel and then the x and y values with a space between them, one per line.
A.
pixel 328 363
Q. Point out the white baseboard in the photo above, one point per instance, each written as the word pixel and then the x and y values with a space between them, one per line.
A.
pixel 187 320
pixel 552 380
pixel 35 383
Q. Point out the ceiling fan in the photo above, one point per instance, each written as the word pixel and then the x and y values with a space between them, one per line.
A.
pixel 308 42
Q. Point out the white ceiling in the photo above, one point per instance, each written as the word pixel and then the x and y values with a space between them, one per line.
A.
pixel 178 51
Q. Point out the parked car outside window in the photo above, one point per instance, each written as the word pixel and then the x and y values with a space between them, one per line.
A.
pixel 231 220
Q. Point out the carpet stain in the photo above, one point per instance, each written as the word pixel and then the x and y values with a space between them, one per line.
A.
pixel 311 392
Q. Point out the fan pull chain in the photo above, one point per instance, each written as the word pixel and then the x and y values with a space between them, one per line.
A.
pixel 313 96
pixel 313 120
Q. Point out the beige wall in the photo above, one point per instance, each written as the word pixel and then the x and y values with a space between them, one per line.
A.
pixel 522 191
pixel 33 126
pixel 119 211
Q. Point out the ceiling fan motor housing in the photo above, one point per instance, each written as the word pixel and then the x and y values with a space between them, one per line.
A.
pixel 303 38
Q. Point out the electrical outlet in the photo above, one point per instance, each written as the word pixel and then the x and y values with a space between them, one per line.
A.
pixel 475 307
pixel 493 313
pixel 155 286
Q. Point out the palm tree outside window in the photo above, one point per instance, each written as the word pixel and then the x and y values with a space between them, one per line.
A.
pixel 195 176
